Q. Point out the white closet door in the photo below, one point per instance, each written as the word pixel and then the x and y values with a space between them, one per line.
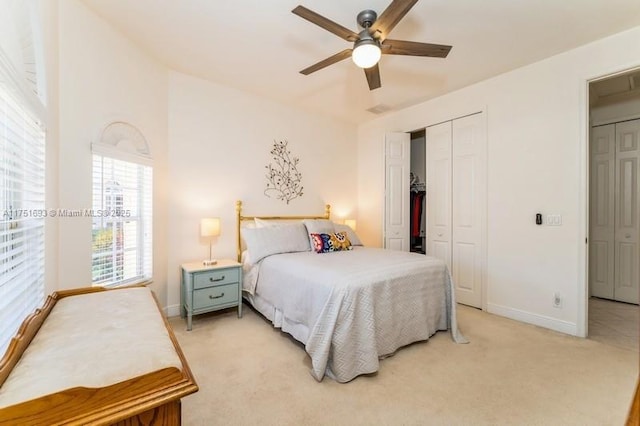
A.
pixel 627 215
pixel 601 212
pixel 468 208
pixel 397 165
pixel 438 198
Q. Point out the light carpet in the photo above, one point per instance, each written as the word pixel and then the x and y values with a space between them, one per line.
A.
pixel 510 374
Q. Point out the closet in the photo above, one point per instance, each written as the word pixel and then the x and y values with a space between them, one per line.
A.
pixel 456 202
pixel 452 185
pixel 614 211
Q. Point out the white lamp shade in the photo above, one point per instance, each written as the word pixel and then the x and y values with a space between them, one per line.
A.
pixel 210 227
pixel 351 223
pixel 366 55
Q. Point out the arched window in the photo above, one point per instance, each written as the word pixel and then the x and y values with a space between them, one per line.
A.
pixel 122 207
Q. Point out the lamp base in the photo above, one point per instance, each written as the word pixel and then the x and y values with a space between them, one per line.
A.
pixel 209 262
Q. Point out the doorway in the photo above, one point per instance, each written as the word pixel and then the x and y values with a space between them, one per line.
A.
pixel 614 210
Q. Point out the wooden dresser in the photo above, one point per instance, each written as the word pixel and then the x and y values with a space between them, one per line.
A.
pixel 95 357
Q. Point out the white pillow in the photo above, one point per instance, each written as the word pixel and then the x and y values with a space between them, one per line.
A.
pixel 263 242
pixel 262 223
pixel 351 234
pixel 318 226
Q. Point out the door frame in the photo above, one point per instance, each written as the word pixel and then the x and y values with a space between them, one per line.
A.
pixel 582 325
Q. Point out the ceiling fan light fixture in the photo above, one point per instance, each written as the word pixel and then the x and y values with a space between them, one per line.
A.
pixel 366 53
pixel 367 44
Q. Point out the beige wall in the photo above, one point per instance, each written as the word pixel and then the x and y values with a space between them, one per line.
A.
pixel 104 77
pixel 219 144
pixel 210 146
pixel 537 131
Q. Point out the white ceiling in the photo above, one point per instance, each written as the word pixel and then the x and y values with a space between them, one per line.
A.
pixel 259 46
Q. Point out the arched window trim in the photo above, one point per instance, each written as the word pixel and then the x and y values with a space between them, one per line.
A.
pixel 123 141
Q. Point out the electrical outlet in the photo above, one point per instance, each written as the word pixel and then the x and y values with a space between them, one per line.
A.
pixel 557 300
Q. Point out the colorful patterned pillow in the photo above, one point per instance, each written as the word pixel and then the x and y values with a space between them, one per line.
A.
pixel 325 243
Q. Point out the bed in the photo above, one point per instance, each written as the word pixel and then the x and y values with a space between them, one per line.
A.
pixel 349 307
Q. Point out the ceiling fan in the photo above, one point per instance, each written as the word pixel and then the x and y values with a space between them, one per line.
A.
pixel 371 42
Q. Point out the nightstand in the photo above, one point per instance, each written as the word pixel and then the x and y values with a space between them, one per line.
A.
pixel 206 288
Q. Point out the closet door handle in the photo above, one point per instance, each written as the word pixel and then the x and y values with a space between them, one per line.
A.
pixel 439 234
pixel 627 235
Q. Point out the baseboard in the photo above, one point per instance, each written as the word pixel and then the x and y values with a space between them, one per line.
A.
pixel 535 319
pixel 172 311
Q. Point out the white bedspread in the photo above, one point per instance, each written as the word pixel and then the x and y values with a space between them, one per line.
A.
pixel 358 305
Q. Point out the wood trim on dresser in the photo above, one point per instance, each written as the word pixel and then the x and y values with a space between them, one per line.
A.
pixel 24 336
pixel 149 399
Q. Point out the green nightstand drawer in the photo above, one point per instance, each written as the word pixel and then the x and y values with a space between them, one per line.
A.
pixel 213 296
pixel 210 278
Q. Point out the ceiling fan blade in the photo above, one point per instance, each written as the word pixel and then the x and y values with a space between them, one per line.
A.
pixel 326 62
pixel 412 48
pixel 373 77
pixel 390 17
pixel 325 23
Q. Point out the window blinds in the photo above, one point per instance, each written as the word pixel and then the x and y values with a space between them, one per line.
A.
pixel 22 161
pixel 122 221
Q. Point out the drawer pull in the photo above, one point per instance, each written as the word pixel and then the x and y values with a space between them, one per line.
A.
pixel 213 280
pixel 216 297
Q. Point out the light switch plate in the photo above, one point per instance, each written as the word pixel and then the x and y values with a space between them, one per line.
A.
pixel 554 220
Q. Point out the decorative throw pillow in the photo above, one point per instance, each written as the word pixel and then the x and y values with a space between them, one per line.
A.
pixel 318 226
pixel 326 243
pixel 351 234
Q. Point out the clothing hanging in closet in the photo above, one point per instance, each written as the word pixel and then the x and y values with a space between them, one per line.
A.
pixel 417 198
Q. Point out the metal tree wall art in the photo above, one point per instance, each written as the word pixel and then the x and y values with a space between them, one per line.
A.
pixel 283 178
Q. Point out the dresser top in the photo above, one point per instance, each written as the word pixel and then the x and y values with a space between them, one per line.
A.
pixel 200 267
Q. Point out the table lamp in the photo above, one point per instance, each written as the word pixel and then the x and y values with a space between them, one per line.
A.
pixel 351 223
pixel 209 228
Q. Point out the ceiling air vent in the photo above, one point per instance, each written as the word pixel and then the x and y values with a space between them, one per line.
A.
pixel 379 109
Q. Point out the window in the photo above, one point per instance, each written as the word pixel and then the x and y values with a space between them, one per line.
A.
pixel 22 166
pixel 22 161
pixel 122 221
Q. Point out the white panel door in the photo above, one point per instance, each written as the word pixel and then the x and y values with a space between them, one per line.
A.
pixel 468 208
pixel 601 211
pixel 397 167
pixel 438 198
pixel 627 257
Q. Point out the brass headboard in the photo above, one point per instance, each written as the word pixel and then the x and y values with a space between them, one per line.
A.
pixel 240 218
